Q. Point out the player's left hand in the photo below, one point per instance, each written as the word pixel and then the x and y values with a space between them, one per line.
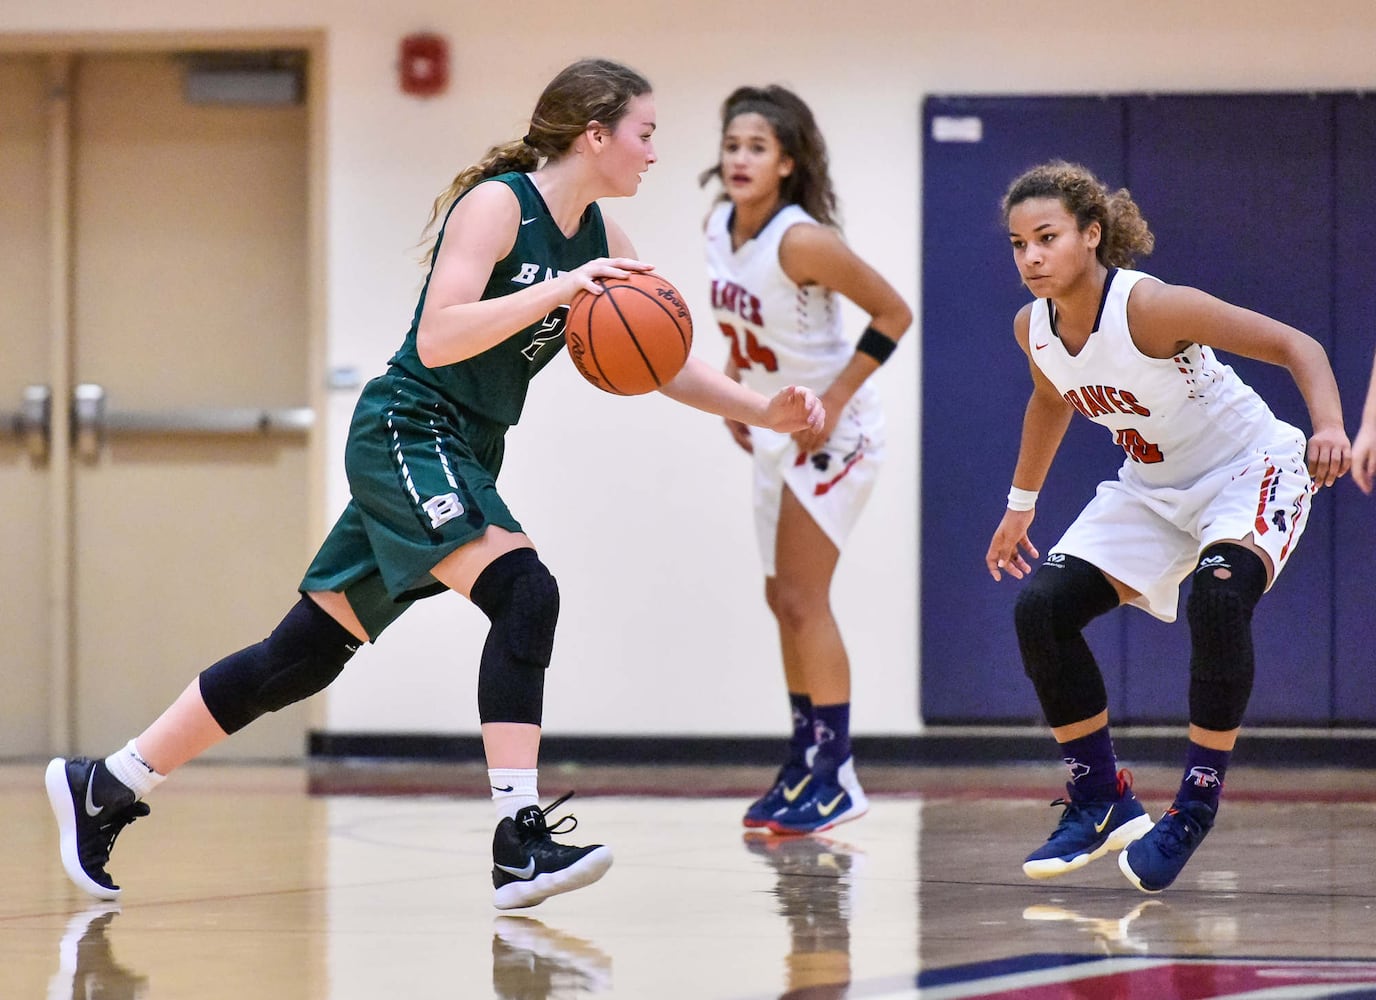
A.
pixel 1329 455
pixel 795 408
pixel 740 433
pixel 1364 459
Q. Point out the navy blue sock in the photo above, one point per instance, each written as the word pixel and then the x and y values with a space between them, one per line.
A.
pixel 832 728
pixel 802 738
pixel 1204 769
pixel 1093 766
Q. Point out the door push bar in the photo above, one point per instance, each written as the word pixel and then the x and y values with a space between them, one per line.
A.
pixel 93 422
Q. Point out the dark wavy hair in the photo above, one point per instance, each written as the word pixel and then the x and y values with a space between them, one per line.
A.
pixel 794 126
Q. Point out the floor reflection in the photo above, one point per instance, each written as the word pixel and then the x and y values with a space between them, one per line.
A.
pixel 1152 926
pixel 86 966
pixel 532 961
pixel 1111 934
pixel 815 876
pixel 354 897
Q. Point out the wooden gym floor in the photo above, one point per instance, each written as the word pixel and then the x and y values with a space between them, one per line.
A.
pixel 337 881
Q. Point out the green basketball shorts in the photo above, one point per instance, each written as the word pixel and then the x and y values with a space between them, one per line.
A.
pixel 423 478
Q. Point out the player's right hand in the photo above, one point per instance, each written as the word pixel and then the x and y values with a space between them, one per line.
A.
pixel 740 433
pixel 1010 546
pixel 793 408
pixel 586 277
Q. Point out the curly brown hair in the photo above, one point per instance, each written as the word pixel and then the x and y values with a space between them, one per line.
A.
pixel 1124 232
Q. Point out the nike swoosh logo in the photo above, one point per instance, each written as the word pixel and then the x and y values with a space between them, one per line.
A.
pixel 92 809
pixel 526 222
pixel 1040 346
pixel 508 788
pixel 1099 827
pixel 830 807
pixel 525 874
pixel 790 794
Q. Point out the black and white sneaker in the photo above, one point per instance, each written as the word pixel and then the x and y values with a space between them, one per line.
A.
pixel 87 830
pixel 528 866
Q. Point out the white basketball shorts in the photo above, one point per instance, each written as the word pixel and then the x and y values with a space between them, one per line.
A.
pixel 1150 538
pixel 832 484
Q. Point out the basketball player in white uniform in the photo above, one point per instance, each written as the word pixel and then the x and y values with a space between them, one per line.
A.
pixel 778 268
pixel 1212 485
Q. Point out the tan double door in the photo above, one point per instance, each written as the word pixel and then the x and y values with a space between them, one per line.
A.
pixel 154 253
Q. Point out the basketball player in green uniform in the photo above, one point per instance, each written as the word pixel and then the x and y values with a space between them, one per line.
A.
pixel 519 234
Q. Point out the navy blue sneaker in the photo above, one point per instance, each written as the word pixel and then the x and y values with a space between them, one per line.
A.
pixel 833 795
pixel 1153 862
pixel 790 783
pixel 1089 830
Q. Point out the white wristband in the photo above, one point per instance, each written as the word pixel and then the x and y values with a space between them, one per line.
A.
pixel 1021 499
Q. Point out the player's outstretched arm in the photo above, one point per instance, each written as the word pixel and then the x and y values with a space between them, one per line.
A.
pixel 702 387
pixel 1161 312
pixel 814 254
pixel 1044 424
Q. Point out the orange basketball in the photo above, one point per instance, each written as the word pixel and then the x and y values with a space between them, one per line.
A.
pixel 632 338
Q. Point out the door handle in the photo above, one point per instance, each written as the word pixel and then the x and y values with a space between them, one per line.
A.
pixel 32 422
pixel 93 421
pixel 88 420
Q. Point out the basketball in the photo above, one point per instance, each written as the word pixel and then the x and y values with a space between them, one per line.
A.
pixel 631 339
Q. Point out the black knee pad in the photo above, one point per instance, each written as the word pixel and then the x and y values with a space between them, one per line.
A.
pixel 521 599
pixel 1227 584
pixel 304 653
pixel 1064 595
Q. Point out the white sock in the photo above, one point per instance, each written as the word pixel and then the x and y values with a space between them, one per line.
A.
pixel 512 790
pixel 132 771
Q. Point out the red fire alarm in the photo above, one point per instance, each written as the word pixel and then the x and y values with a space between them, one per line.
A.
pixel 424 65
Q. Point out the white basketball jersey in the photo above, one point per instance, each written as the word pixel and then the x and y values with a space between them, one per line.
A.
pixel 781 334
pixel 1176 418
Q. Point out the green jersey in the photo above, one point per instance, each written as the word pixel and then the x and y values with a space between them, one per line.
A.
pixel 493 384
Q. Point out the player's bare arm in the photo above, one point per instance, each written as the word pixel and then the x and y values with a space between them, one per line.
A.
pixel 1157 313
pixel 702 387
pixel 456 322
pixel 813 254
pixel 1043 427
pixel 740 431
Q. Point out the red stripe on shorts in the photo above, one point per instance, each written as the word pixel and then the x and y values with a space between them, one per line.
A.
pixel 821 488
pixel 1296 510
pixel 1266 481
